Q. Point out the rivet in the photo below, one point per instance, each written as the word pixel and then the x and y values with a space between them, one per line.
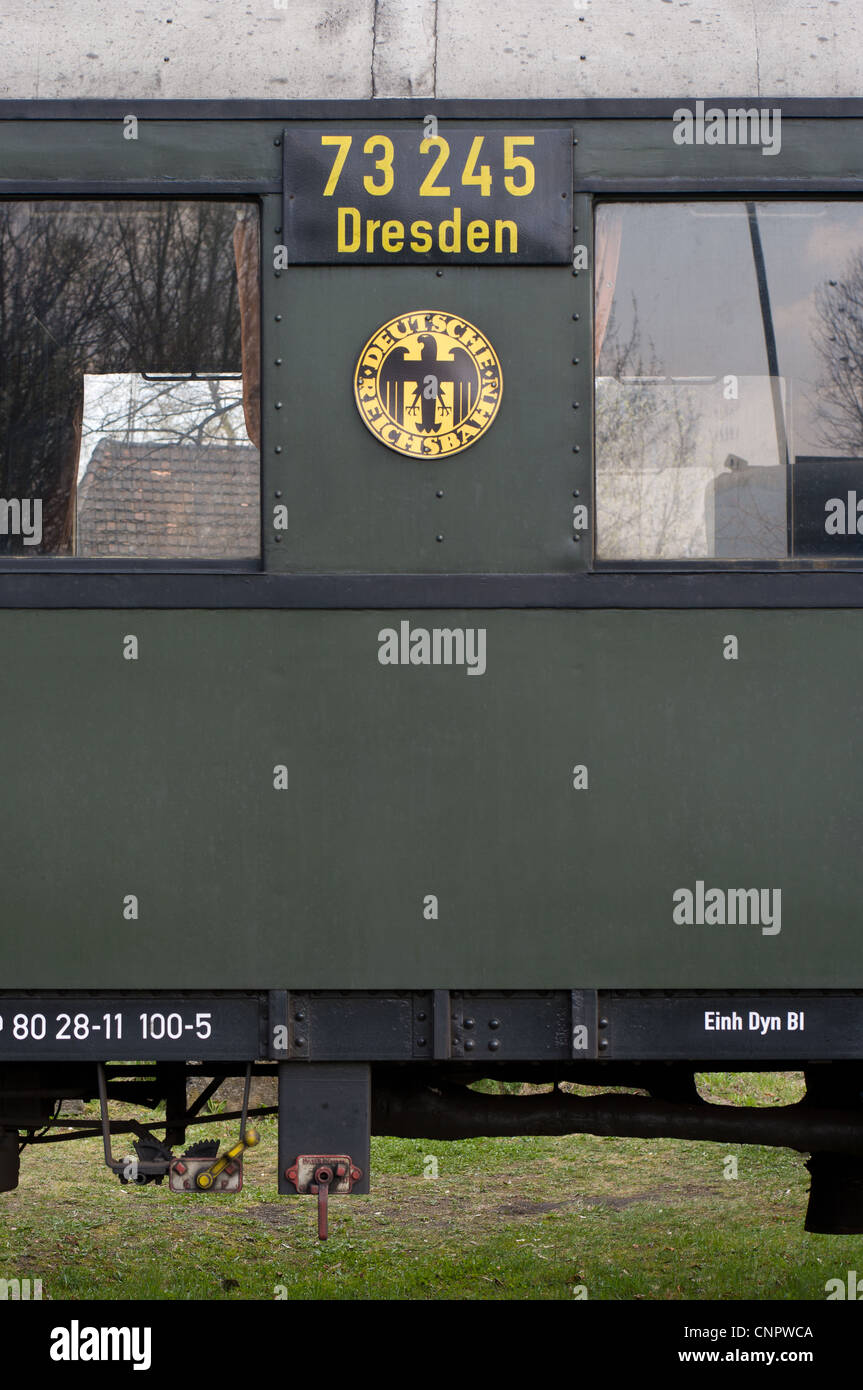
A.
pixel 494 1045
pixel 421 1042
pixel 603 1044
pixel 438 538
pixel 421 1018
pixel 299 1042
pixel 278 405
pixel 494 1023
pixel 575 361
pixel 278 540
pixel 278 449
pixel 575 493
pixel 277 274
pixel 278 494
pixel 576 448
pixel 469 1045
pixel 277 231
pixel 439 493
pixel 299 1016
pixel 575 274
pixel 575 142
pixel 438 273
pixel 575 405
pixel 279 361
pixel 603 1023
pixel 574 318
pixel 279 318
pixel 469 1023
pixel 576 539
pixel 277 142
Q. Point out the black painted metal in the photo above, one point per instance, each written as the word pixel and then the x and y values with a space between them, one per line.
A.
pixel 717 185
pixel 700 1028
pixel 298 1026
pixel 348 1027
pixel 816 481
pixel 277 1024
pixel 454 1112
pixel 605 109
pixel 841 587
pixel 286 174
pixel 772 365
pixel 136 188
pixel 584 1024
pixel 324 1108
pixel 76 1026
pixel 171 1077
pixel 490 1028
pixel 482 1029
pixel 544 216
pixel 442 1030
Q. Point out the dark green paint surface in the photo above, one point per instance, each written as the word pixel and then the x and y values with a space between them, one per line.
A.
pixel 155 778
pixel 98 149
pixel 354 504
pixel 634 148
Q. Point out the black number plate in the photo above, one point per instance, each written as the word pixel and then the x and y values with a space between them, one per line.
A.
pixel 405 193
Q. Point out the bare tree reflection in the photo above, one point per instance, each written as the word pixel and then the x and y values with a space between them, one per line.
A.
pixel 94 288
pixel 838 338
pixel 645 440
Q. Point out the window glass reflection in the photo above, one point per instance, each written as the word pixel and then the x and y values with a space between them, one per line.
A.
pixel 129 379
pixel 729 380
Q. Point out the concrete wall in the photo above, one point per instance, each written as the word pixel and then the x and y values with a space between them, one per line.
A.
pixel 444 48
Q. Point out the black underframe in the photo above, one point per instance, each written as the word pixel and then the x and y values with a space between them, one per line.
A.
pixel 476 1029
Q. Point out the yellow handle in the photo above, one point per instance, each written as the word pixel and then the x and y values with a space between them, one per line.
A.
pixel 207 1176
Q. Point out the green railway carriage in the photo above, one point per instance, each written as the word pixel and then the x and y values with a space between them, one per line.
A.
pixel 430 601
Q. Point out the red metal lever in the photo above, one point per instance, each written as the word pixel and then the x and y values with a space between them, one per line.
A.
pixel 321 1186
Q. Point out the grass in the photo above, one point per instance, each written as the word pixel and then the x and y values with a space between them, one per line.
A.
pixel 521 1218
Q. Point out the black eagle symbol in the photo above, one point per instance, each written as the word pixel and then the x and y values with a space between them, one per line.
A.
pixel 398 374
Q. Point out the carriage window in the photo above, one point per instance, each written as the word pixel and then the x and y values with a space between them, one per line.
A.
pixel 129 380
pixel 729 380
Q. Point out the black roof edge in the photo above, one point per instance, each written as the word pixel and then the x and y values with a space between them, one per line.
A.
pixel 575 108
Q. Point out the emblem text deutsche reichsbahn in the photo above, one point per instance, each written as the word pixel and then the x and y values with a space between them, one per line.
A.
pixel 428 383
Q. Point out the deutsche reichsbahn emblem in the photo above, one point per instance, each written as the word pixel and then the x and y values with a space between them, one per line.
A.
pixel 428 383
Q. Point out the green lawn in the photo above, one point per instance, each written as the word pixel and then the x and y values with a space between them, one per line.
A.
pixel 504 1218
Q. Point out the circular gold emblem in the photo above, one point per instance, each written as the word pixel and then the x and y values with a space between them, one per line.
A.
pixel 428 384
